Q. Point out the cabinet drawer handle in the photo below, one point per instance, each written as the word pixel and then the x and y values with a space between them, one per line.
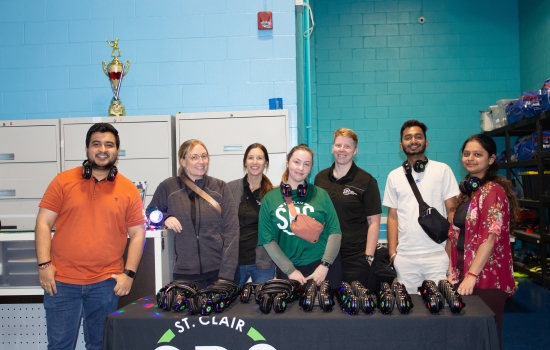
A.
pixel 7 156
pixel 232 148
pixel 7 193
pixel 122 153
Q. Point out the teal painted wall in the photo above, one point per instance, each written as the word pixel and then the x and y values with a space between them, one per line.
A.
pixel 376 67
pixel 534 34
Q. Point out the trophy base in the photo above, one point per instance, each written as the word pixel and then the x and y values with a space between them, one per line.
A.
pixel 116 108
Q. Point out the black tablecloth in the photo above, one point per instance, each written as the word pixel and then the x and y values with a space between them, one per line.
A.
pixel 141 325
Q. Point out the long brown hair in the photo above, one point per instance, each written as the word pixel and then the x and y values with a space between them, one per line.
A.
pixel 490 146
pixel 300 147
pixel 266 184
pixel 185 147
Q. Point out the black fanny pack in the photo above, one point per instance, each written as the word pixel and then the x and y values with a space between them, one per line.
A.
pixel 432 222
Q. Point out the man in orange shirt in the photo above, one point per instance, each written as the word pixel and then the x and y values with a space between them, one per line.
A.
pixel 81 269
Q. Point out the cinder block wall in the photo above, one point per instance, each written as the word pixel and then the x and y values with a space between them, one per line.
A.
pixel 377 66
pixel 534 29
pixel 186 56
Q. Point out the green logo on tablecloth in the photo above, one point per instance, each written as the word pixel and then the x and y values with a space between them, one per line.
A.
pixel 186 324
pixel 166 337
pixel 254 334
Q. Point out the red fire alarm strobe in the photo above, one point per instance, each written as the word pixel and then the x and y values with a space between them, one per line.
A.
pixel 265 20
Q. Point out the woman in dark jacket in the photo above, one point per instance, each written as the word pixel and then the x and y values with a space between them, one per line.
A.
pixel 254 262
pixel 206 241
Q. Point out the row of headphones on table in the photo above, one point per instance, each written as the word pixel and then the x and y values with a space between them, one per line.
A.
pixel 434 298
pixel 467 187
pixel 278 293
pixel 181 295
pixel 355 297
pixel 274 294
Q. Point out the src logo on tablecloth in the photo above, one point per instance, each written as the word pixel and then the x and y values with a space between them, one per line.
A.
pixel 186 324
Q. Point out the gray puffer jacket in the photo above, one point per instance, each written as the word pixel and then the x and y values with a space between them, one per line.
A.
pixel 263 261
pixel 213 242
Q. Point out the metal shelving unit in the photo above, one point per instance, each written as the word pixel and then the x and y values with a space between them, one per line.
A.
pixel 540 163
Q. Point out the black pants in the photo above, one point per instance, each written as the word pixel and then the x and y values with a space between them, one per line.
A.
pixel 334 274
pixel 358 269
pixel 202 280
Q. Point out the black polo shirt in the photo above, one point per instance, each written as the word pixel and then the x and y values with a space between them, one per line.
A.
pixel 355 196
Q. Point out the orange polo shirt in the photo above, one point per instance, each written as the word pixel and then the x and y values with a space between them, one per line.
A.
pixel 91 227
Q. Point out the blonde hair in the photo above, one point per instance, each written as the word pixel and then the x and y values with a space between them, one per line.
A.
pixel 300 147
pixel 185 147
pixel 345 132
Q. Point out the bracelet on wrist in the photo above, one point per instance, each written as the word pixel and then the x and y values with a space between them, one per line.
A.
pixel 44 265
pixel 473 275
pixel 448 273
pixel 393 256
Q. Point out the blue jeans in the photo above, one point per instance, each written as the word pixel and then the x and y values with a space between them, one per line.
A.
pixel 93 302
pixel 257 275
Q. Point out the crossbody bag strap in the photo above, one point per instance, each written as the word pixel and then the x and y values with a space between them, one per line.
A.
pixel 201 193
pixel 290 205
pixel 415 189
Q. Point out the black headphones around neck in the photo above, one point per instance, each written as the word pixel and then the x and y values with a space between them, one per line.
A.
pixel 87 171
pixel 287 189
pixel 470 185
pixel 419 166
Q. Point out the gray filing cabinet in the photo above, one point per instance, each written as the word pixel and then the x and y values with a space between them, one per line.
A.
pixel 228 134
pixel 146 146
pixel 29 160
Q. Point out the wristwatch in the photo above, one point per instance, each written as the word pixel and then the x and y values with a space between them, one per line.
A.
pixel 129 273
pixel 326 264
pixel 370 258
pixel 448 273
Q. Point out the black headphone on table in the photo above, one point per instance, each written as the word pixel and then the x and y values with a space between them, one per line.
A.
pixel 418 167
pixel 287 189
pixel 403 299
pixel 173 295
pixel 347 300
pixel 431 296
pixel 364 297
pixel 247 290
pixel 471 185
pixel 385 299
pixel 326 296
pixel 87 171
pixel 308 294
pixel 453 298
pixel 274 294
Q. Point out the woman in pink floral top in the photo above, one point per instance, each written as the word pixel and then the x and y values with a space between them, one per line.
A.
pixel 479 239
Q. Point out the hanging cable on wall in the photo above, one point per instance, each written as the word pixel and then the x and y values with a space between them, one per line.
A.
pixel 309 31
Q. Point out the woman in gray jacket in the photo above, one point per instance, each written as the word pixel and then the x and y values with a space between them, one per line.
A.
pixel 254 262
pixel 206 241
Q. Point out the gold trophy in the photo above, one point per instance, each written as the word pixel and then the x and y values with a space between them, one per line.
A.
pixel 115 71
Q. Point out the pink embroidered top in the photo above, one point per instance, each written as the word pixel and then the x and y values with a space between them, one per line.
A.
pixel 488 213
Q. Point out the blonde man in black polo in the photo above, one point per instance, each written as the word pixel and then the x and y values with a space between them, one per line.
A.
pixel 355 195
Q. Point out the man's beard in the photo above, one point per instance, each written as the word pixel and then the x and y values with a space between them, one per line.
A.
pixel 107 166
pixel 419 150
